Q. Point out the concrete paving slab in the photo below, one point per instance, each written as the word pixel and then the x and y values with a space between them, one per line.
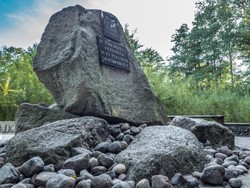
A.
pixel 242 141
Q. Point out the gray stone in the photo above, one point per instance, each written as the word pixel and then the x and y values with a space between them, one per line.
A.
pixel 80 150
pixel 98 170
pixel 77 163
pixel 178 179
pixel 247 160
pixel 67 172
pixel 160 181
pixel 217 160
pixel 229 173
pixel 121 184
pixel 29 116
pixel 19 185
pixel 115 147
pixel 163 150
pixel 101 181
pixel 53 142
pixel 235 169
pixel 29 185
pixel 217 134
pixel 122 177
pixel 84 174
pixel 102 147
pixel 67 62
pixel 128 138
pixel 225 150
pixel 242 168
pixel 235 183
pixel 124 145
pixel 32 166
pixel 124 127
pixel 105 160
pixel 213 175
pixel 221 156
pixel 244 164
pixel 120 136
pixel 227 163
pixel 49 168
pixel 119 169
pixel 192 182
pixel 245 180
pixel 8 174
pixel 42 178
pixel 131 183
pixel 83 184
pixel 93 162
pixel 144 183
pixel 59 181
pixel 25 181
pixel 7 185
pixel 111 173
pixel 134 130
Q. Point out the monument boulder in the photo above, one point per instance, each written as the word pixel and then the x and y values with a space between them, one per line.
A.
pixel 85 61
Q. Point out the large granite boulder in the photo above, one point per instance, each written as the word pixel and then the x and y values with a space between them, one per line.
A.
pixel 217 134
pixel 53 142
pixel 29 116
pixel 162 150
pixel 68 63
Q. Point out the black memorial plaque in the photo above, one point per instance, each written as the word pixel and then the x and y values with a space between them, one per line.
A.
pixel 113 54
pixel 110 26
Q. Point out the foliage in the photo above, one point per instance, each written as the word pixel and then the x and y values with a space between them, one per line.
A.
pixel 212 50
pixel 189 86
pixel 18 82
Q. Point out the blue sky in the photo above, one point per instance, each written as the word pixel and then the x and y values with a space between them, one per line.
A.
pixel 22 22
pixel 9 7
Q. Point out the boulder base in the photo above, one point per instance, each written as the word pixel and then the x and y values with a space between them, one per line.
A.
pixel 163 150
pixel 217 134
pixel 54 142
pixel 67 62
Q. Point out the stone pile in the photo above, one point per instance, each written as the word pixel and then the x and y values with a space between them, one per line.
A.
pixel 98 168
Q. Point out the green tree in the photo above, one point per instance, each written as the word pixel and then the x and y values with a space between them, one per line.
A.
pixel 18 82
pixel 210 51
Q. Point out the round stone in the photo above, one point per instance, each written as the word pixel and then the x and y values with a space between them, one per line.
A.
pixel 93 162
pixel 101 181
pixel 124 127
pixel 119 169
pixel 115 147
pixel 105 160
pixel 98 170
pixel 235 183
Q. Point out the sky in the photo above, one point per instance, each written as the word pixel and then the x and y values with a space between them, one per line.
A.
pixel 22 22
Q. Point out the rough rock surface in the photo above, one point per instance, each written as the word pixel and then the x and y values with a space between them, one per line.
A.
pixel 53 142
pixel 29 116
pixel 162 150
pixel 67 62
pixel 217 134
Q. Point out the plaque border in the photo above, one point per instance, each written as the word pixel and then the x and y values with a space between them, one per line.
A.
pixel 105 33
pixel 110 64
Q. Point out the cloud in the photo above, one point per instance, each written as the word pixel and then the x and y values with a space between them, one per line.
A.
pixel 156 20
pixel 27 27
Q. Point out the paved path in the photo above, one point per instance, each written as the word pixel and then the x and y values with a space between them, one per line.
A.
pixel 242 141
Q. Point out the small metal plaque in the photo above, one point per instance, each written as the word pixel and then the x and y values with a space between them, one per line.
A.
pixel 113 54
pixel 110 26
